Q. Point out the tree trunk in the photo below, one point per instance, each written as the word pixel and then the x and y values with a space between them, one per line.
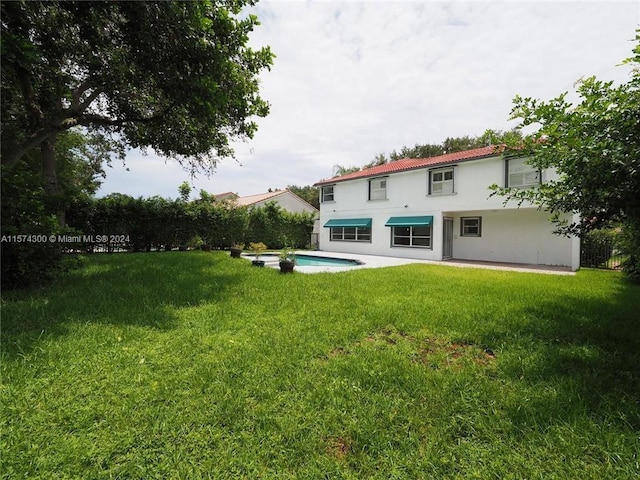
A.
pixel 50 178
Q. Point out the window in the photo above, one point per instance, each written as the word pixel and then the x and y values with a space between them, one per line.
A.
pixel 471 227
pixel 350 234
pixel 411 236
pixel 441 181
pixel 326 194
pixel 521 175
pixel 411 231
pixel 378 189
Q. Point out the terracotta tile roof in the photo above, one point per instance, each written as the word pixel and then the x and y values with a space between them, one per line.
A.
pixel 414 163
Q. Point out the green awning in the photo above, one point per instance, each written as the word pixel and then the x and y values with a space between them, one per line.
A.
pixel 409 221
pixel 348 222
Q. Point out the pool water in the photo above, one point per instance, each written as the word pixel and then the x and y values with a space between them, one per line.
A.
pixel 313 261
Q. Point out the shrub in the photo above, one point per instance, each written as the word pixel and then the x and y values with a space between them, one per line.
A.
pixel 598 246
pixel 630 246
pixel 28 257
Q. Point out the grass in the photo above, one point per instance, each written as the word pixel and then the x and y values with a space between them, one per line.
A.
pixel 196 365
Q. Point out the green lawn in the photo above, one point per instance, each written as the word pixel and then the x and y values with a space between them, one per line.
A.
pixel 196 365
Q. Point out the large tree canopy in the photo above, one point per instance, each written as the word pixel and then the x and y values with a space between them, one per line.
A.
pixel 82 80
pixel 174 76
pixel 593 145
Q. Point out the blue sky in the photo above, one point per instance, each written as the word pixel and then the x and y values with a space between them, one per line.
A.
pixel 352 79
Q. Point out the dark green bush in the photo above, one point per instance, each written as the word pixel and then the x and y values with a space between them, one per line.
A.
pixel 157 223
pixel 630 246
pixel 598 246
pixel 27 255
pixel 278 228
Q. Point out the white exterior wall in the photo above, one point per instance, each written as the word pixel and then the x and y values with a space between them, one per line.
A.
pixel 509 234
pixel 288 202
pixel 522 235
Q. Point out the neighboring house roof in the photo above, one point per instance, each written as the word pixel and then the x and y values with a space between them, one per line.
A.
pixel 263 197
pixel 414 163
pixel 260 197
pixel 226 196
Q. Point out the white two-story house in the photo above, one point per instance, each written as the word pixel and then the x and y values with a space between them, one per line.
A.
pixel 440 208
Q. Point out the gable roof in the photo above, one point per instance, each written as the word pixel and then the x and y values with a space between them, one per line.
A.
pixel 406 164
pixel 226 196
pixel 261 197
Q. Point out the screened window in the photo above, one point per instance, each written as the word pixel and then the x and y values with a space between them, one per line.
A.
pixel 350 234
pixel 416 236
pixel 378 189
pixel 326 194
pixel 441 181
pixel 471 226
pixel 521 175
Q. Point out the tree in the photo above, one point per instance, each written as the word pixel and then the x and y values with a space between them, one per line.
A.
pixel 184 190
pixel 308 193
pixel 595 148
pixel 28 210
pixel 22 212
pixel 80 167
pixel 174 76
pixel 450 145
pixel 339 170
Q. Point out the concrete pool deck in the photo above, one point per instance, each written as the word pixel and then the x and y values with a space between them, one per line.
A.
pixel 374 261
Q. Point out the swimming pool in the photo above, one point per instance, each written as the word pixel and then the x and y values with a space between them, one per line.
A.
pixel 303 260
pixel 317 261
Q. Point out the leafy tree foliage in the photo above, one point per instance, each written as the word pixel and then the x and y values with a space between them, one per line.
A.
pixel 339 170
pixel 450 145
pixel 83 80
pixel 156 223
pixel 278 228
pixel 23 213
pixel 184 190
pixel 175 76
pixel 594 146
pixel 28 210
pixel 308 193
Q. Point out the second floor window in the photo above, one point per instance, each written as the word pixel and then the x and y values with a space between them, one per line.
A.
pixel 441 181
pixel 326 194
pixel 520 174
pixel 378 189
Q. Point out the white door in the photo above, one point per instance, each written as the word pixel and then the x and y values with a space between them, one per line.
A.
pixel 447 238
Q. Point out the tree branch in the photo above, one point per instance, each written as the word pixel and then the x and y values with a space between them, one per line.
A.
pixel 88 101
pixel 78 106
pixel 65 123
pixel 32 142
pixel 77 93
pixel 102 121
pixel 27 93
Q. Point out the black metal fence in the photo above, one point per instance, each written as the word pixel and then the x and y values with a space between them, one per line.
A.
pixel 600 250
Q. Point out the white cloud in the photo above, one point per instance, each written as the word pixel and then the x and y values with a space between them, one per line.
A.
pixel 353 79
